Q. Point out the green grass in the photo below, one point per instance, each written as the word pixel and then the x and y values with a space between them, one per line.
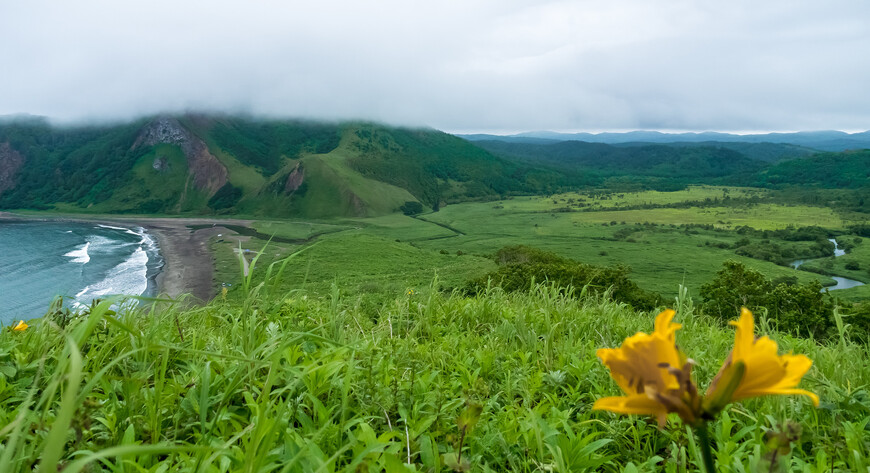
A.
pixel 403 228
pixel 763 216
pixel 239 175
pixel 614 200
pixel 661 258
pixel 332 190
pixel 360 263
pixel 296 229
pixel 294 382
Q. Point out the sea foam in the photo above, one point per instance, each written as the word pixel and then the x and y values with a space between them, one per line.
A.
pixel 129 277
pixel 80 254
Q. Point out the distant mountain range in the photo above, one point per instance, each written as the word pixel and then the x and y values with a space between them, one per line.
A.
pixel 819 140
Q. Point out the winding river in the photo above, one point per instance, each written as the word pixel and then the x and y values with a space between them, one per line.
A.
pixel 842 283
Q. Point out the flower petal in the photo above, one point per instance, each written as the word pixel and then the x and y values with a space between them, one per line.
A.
pixel 767 372
pixel 664 327
pixel 642 360
pixel 634 404
pixel 745 334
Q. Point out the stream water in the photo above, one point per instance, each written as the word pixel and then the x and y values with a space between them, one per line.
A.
pixel 842 283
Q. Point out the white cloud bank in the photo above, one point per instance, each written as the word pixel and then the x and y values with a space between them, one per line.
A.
pixel 454 65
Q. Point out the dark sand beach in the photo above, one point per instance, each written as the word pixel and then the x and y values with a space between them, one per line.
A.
pixel 188 264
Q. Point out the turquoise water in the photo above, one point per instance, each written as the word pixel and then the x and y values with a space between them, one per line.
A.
pixel 79 261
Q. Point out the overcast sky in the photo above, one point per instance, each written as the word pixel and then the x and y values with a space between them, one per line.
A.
pixel 461 66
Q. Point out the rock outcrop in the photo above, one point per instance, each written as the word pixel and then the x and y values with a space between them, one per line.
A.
pixel 294 179
pixel 10 162
pixel 207 172
pixel 160 164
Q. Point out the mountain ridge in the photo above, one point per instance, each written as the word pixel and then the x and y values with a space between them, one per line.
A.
pixel 824 140
pixel 206 164
pixel 201 164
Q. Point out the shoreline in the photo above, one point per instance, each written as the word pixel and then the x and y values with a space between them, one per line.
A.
pixel 188 264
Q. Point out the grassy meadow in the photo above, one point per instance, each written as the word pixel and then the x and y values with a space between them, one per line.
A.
pixel 348 347
pixel 286 382
pixel 666 247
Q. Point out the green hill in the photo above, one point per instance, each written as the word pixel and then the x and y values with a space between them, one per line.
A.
pixel 218 164
pixel 768 152
pixel 198 164
pixel 846 170
pixel 672 166
pixel 647 163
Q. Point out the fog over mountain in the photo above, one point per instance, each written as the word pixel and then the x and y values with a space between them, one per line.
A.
pixel 481 66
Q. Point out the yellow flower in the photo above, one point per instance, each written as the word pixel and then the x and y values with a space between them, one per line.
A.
pixel 20 327
pixel 653 374
pixel 755 369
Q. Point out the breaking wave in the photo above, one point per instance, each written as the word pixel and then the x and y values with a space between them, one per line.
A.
pixel 80 254
pixel 130 277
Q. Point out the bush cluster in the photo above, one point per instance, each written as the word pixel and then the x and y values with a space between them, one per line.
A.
pixel 520 267
pixel 802 309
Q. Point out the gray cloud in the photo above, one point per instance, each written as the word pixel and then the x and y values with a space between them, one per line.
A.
pixel 462 66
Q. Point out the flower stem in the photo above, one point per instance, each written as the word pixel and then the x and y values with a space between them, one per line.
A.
pixel 706 447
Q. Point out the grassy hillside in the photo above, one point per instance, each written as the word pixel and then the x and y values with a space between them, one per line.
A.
pixel 224 164
pixel 672 166
pixel 294 168
pixel 292 382
pixel 153 191
pixel 847 170
pixel 658 166
pixel 329 187
pixel 73 165
pixel 768 152
pixel 437 167
pixel 266 145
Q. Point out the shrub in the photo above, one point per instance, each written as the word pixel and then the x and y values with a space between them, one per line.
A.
pixel 226 197
pixel 734 287
pixel 858 316
pixel 411 208
pixel 521 266
pixel 793 307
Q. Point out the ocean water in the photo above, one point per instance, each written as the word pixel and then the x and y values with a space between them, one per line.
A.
pixel 79 261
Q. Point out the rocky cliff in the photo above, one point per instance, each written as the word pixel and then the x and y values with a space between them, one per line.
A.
pixel 10 163
pixel 294 179
pixel 207 172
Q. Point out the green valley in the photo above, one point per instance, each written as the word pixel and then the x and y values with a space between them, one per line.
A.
pixel 402 205
pixel 396 300
pixel 664 247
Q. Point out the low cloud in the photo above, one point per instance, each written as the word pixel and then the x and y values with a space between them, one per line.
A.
pixel 461 66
